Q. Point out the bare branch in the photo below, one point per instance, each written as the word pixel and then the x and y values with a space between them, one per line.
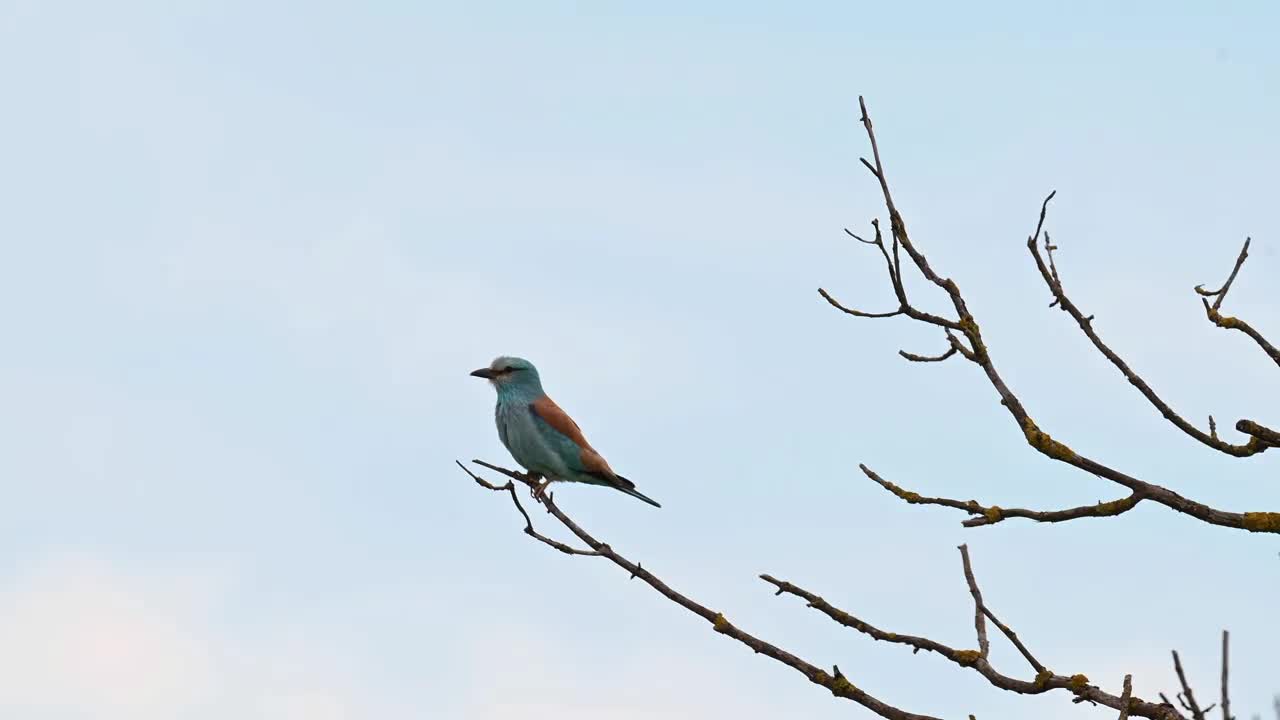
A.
pixel 1124 697
pixel 895 219
pixel 964 337
pixel 528 523
pixel 992 514
pixel 1045 680
pixel 894 267
pixel 1225 701
pixel 1049 273
pixel 1038 439
pixel 1008 632
pixel 1187 697
pixel 1231 323
pixel 928 358
pixel 850 311
pixel 1221 292
pixel 836 683
pixel 979 610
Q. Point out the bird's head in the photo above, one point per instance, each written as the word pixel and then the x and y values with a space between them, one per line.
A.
pixel 511 373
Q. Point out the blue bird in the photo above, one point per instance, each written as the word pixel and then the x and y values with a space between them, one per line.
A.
pixel 541 436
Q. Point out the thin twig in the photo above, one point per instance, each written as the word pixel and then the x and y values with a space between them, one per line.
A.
pixel 979 610
pixel 1221 293
pixel 528 523
pixel 1049 273
pixel 972 581
pixel 1232 323
pixel 1013 638
pixel 1187 697
pixel 1225 701
pixel 856 313
pixel 928 358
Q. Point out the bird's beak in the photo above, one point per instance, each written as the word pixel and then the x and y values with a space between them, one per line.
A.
pixel 485 373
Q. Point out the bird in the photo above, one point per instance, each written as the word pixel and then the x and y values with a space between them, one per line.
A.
pixel 541 436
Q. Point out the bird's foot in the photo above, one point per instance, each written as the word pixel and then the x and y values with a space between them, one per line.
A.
pixel 539 487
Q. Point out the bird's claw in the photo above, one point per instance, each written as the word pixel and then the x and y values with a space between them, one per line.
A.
pixel 539 486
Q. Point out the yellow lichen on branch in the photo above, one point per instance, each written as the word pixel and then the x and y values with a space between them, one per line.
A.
pixel 1115 507
pixel 1223 321
pixel 1262 521
pixel 1041 441
pixel 970 328
pixel 842 686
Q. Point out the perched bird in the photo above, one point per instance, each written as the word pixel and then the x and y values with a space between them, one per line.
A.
pixel 541 436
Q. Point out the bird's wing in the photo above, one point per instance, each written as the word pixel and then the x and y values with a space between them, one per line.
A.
pixel 546 409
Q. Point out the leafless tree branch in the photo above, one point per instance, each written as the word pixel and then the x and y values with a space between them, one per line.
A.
pixel 978 353
pixel 992 514
pixel 1044 681
pixel 528 523
pixel 928 358
pixel 1231 323
pixel 1224 702
pixel 979 614
pixel 1186 697
pixel 964 338
pixel 835 682
pixel 1049 272
pixel 1124 697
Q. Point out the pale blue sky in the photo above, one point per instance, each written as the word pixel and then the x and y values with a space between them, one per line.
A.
pixel 250 251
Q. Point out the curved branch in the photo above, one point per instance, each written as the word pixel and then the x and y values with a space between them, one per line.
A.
pixel 835 682
pixel 928 358
pixel 1044 681
pixel 1043 443
pixel 528 524
pixel 992 514
pixel 856 313
pixel 1049 272
pixel 1231 323
pixel 894 267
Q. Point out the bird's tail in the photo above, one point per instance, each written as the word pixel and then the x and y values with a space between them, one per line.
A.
pixel 629 488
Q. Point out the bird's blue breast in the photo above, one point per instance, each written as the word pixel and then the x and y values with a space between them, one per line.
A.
pixel 533 443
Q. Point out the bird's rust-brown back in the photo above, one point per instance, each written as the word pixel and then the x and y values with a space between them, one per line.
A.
pixel 552 414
